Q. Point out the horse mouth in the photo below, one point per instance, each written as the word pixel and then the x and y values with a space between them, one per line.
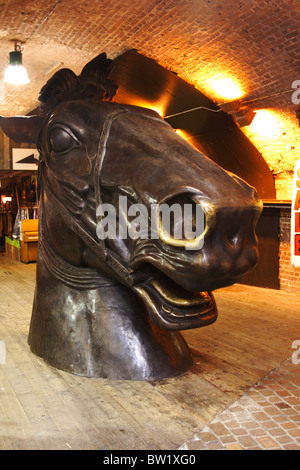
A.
pixel 173 308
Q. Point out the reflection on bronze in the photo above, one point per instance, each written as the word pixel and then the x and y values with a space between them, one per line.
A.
pixel 113 308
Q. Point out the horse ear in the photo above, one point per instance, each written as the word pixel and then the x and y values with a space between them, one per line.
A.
pixel 94 81
pixel 60 87
pixel 23 129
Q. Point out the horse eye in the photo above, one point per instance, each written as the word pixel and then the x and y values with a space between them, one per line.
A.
pixel 61 140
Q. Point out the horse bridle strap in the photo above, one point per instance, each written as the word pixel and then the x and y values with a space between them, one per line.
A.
pixel 98 246
pixel 101 151
pixel 58 266
pixel 72 276
pixel 88 239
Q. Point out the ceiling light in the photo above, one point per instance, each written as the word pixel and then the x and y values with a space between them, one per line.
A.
pixel 5 199
pixel 266 123
pixel 16 74
pixel 225 87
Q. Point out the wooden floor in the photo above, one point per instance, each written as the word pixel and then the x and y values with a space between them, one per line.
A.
pixel 43 408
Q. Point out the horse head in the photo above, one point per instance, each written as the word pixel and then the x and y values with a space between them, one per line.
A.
pixel 115 281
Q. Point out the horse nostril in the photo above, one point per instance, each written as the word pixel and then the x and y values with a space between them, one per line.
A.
pixel 239 228
pixel 181 221
pixel 232 229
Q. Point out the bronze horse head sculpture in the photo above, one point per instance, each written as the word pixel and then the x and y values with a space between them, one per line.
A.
pixel 113 307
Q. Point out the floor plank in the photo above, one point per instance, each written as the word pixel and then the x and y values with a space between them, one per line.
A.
pixel 44 408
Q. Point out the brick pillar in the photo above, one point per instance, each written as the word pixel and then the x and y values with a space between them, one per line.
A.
pixel 288 274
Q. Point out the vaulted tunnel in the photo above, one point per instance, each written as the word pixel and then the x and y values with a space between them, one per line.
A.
pixel 144 82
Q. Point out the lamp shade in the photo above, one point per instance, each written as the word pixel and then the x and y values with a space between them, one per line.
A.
pixel 16 73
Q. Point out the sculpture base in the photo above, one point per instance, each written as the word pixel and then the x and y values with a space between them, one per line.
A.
pixel 104 332
pixel 173 360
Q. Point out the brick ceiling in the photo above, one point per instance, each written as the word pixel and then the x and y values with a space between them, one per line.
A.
pixel 254 42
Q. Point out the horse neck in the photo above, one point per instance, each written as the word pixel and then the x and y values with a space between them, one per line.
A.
pixel 85 323
pixel 101 332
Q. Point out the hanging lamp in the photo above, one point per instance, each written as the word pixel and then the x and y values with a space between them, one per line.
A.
pixel 16 74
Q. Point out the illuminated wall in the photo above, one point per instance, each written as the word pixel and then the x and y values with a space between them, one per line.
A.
pixel 275 133
pixel 277 137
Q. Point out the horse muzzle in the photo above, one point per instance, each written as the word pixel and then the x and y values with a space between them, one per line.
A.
pixel 177 288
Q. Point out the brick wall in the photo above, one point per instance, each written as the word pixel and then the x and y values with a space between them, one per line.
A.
pixel 280 150
pixel 288 274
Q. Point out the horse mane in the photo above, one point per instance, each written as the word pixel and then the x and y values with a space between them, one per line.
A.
pixel 92 83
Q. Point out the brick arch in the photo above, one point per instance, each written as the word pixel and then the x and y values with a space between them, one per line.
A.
pixel 143 81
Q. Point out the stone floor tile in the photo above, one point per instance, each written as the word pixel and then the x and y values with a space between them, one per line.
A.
pixel 247 441
pixel 294 432
pixel 295 418
pixel 196 445
pixel 288 425
pixel 266 417
pixel 292 401
pixel 234 423
pixel 239 431
pixel 250 424
pixel 276 431
pixel 292 446
pixel 272 410
pixel 282 405
pixel 267 442
pixel 269 424
pixel 236 409
pixel 286 439
pixel 260 416
pixel 254 448
pixel 214 446
pixel 234 447
pixel 219 429
pixel 206 436
pixel 283 393
pixel 257 432
pixel 227 439
pixel 280 418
